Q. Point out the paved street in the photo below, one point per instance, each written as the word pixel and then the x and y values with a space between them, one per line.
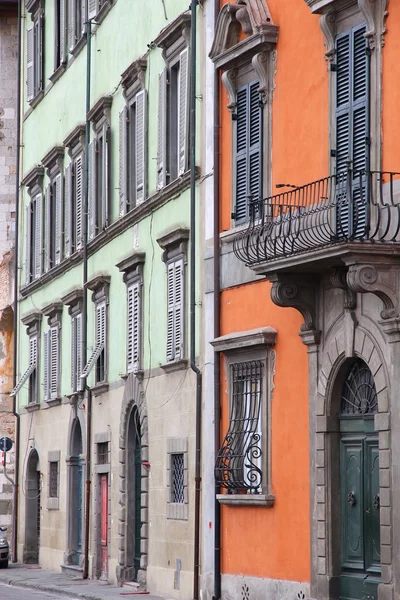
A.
pixel 8 592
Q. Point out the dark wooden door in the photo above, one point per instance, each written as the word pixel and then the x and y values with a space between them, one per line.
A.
pixel 104 526
pixel 138 503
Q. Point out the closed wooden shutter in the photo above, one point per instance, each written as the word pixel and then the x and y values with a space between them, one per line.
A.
pixel 101 323
pixel 92 191
pixel 58 185
pixel 71 24
pixel 40 54
pixel 78 189
pixel 83 19
pixel 123 160
pixel 170 312
pixel 47 245
pixel 175 310
pixel 248 150
pixel 78 353
pixel 162 131
pixel 183 117
pixel 46 337
pixel 106 175
pixel 29 64
pixel 28 241
pixel 351 131
pixel 54 361
pixel 63 30
pixel 38 235
pixel 68 212
pixel 93 8
pixel 178 333
pixel 133 310
pixel 140 145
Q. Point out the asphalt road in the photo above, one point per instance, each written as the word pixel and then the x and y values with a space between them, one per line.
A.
pixel 8 592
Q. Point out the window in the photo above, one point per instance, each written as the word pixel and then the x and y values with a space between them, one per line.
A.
pixel 95 6
pixel 173 120
pixel 73 205
pixel 177 478
pixel 53 480
pixel 34 238
pixel 51 363
pixel 30 374
pixel 53 222
pixel 243 460
pixel 34 50
pixel 102 453
pixel 76 22
pixel 248 148
pixel 60 33
pixel 133 152
pixel 175 323
pixel 98 208
pixel 98 358
pixel 76 352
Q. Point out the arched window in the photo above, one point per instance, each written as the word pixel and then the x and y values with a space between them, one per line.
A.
pixel 359 396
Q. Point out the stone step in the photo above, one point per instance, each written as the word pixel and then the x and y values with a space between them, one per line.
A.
pixel 72 570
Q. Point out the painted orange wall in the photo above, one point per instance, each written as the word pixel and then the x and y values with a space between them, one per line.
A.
pixel 391 90
pixel 275 543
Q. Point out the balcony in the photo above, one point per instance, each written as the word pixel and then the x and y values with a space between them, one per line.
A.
pixel 319 225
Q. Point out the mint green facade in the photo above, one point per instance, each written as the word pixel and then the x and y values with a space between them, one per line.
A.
pixel 164 399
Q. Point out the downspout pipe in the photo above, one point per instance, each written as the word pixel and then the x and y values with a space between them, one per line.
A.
pixel 193 366
pixel 14 541
pixel 217 363
pixel 85 305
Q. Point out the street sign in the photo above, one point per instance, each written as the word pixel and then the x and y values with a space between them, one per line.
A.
pixel 5 444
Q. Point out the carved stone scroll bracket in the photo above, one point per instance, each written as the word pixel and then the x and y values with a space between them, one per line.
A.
pixel 381 281
pixel 328 26
pixel 229 80
pixel 338 279
pixel 262 65
pixel 375 15
pixel 298 293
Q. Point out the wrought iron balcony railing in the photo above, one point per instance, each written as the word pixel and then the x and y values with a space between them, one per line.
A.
pixel 348 207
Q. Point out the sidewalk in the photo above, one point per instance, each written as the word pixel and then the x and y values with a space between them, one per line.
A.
pixel 48 581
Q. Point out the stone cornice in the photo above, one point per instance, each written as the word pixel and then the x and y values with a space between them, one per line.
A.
pixel 131 262
pixel 73 297
pixel 100 109
pixel 242 340
pixel 52 309
pixel 135 73
pixel 53 156
pixel 173 30
pixel 77 136
pixel 32 318
pixel 34 177
pixel 175 239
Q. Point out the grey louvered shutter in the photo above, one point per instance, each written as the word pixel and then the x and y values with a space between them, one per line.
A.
pixel 170 311
pixel 47 235
pixel 179 308
pixel 71 24
pixel 351 129
pixel 183 117
pixel 255 144
pixel 162 131
pixel 46 338
pixel 141 145
pixel 58 185
pixel 38 235
pixel 53 362
pixel 106 175
pixel 73 355
pixel 123 161
pixel 78 361
pixel 93 8
pixel 78 199
pixel 68 212
pixel 241 154
pixel 84 19
pixel 133 309
pixel 40 54
pixel 30 92
pixel 28 241
pixel 63 30
pixel 92 191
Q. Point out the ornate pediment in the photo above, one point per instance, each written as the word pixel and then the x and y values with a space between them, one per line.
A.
pixel 251 17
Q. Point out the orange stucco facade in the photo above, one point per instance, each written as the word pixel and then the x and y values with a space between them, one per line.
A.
pixel 275 542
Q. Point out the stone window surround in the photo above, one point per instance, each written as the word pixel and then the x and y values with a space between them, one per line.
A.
pixel 132 269
pixel 32 321
pixel 100 114
pixel 103 438
pixel 54 313
pixel 241 347
pixel 374 15
pixel 177 510
pixel 133 78
pixel 53 456
pixel 255 54
pixel 100 286
pixel 174 246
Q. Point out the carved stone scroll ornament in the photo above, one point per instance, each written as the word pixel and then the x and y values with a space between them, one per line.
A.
pixel 301 295
pixel 262 64
pixel 338 280
pixel 228 79
pixel 382 282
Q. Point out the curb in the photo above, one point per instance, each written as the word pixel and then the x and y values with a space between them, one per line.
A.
pixel 51 589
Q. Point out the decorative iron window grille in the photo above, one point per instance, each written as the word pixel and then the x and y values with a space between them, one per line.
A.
pixel 53 480
pixel 239 461
pixel 178 480
pixel 102 453
pixel 359 393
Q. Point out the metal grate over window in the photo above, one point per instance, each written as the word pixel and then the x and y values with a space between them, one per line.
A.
pixel 53 480
pixel 359 395
pixel 178 479
pixel 102 453
pixel 239 462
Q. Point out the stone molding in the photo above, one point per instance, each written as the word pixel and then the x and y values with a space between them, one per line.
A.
pixel 100 109
pixel 299 292
pixel 133 78
pixel 266 500
pixel 232 342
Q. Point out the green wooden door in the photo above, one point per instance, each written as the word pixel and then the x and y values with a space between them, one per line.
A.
pixel 359 488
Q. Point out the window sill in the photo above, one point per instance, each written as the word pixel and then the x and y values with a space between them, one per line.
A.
pixel 175 365
pixel 53 402
pixel 64 265
pixel 78 46
pixel 100 388
pixel 139 374
pixel 58 72
pixel 103 12
pixel 228 236
pixel 178 511
pixel 38 98
pixel 265 500
pixel 32 407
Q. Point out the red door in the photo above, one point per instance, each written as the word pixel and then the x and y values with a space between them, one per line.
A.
pixel 104 526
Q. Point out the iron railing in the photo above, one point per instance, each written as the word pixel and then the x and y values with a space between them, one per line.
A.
pixel 348 207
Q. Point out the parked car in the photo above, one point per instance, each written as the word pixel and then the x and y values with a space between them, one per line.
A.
pixel 4 548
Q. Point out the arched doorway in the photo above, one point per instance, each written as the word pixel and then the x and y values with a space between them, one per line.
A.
pixel 75 495
pixel 134 494
pixel 33 509
pixel 359 486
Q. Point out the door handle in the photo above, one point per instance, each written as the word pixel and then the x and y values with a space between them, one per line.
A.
pixel 377 503
pixel 351 499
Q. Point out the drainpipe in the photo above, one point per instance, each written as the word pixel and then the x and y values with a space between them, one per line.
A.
pixel 193 365
pixel 217 369
pixel 85 305
pixel 14 541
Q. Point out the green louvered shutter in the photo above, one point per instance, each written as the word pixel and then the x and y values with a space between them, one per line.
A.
pixel 351 132
pixel 248 149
